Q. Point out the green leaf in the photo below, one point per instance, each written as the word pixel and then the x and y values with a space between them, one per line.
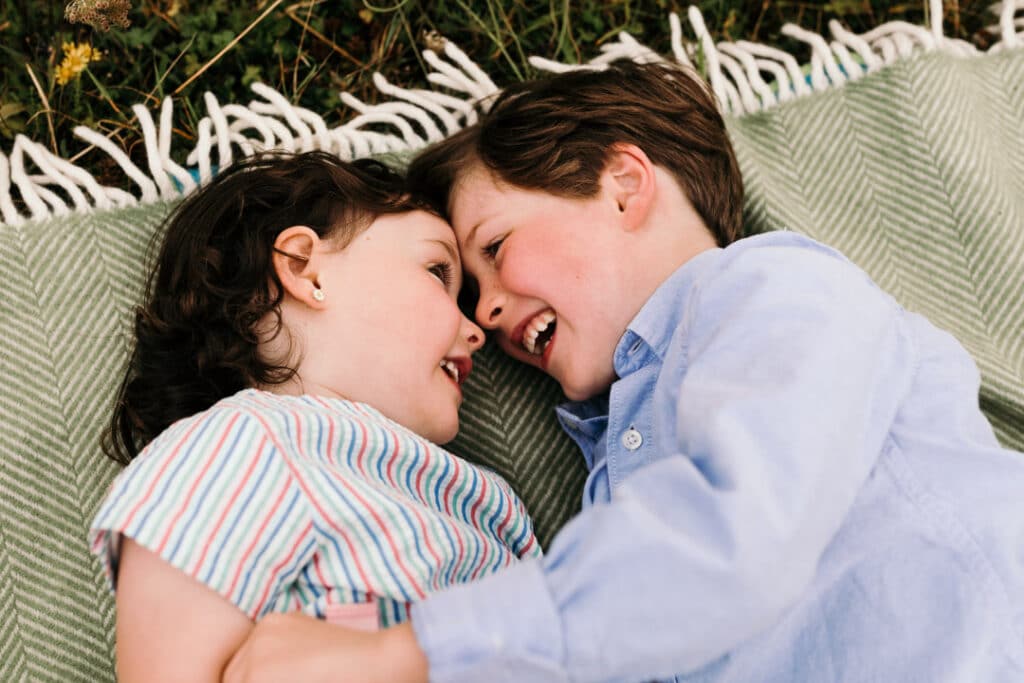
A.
pixel 11 121
pixel 223 38
pixel 252 75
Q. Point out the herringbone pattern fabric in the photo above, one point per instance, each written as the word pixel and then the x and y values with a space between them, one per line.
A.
pixel 508 424
pixel 69 284
pixel 917 175
pixel 916 172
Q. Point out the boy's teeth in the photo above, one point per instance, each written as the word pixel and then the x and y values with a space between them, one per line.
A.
pixel 534 329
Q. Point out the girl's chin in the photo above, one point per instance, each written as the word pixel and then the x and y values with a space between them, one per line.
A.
pixel 441 429
pixel 446 436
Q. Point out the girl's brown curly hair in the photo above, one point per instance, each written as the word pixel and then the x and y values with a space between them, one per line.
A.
pixel 195 337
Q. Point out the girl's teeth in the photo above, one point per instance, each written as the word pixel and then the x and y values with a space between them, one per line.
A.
pixel 452 369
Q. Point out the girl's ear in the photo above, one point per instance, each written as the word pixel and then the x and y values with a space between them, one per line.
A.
pixel 629 181
pixel 297 264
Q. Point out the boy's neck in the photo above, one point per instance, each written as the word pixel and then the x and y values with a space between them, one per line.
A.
pixel 673 234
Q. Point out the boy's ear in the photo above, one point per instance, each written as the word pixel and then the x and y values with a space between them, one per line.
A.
pixel 297 265
pixel 630 182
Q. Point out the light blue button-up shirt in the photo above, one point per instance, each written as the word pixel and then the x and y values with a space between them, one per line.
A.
pixel 807 492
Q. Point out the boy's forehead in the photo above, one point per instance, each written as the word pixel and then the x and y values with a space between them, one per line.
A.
pixel 478 175
pixel 477 195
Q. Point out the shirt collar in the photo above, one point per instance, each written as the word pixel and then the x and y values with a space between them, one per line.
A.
pixel 652 328
pixel 585 422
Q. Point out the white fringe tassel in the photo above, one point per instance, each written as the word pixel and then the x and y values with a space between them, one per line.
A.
pixel 416 118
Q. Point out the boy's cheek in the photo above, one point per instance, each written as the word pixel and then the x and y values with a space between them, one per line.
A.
pixel 520 273
pixel 516 352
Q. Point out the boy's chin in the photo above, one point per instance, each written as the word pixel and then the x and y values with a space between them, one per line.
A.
pixel 582 391
pixel 575 395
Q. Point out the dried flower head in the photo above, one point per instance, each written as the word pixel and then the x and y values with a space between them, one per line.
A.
pixel 432 40
pixel 99 14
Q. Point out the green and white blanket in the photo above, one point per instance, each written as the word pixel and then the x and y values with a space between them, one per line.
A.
pixel 899 147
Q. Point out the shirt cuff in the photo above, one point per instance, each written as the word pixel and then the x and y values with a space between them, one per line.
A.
pixel 504 627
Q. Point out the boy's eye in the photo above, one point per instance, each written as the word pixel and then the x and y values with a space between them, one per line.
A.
pixel 443 272
pixel 492 249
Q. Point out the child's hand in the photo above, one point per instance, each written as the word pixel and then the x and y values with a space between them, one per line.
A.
pixel 286 647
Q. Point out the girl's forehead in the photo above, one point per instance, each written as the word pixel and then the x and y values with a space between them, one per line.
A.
pixel 418 226
pixel 436 226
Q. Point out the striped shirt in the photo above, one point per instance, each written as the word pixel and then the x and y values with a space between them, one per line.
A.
pixel 283 503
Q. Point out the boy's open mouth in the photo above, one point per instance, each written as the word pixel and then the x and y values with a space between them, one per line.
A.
pixel 538 332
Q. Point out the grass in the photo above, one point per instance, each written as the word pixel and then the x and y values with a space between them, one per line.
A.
pixel 310 50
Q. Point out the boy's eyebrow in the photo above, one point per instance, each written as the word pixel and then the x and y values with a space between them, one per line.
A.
pixel 472 233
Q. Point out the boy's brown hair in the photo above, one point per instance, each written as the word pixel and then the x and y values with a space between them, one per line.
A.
pixel 554 134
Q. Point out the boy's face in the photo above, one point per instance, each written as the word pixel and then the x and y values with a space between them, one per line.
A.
pixel 553 277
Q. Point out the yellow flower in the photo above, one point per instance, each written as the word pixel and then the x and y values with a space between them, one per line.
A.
pixel 76 59
pixel 64 74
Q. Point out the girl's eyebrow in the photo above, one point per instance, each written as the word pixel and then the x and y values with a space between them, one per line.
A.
pixel 452 251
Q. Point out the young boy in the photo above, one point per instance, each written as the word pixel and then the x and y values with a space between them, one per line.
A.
pixel 790 479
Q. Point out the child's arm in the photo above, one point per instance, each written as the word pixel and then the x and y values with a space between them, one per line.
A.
pixel 296 647
pixel 216 523
pixel 170 627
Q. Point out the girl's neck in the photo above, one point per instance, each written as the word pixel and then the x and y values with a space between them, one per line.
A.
pixel 295 386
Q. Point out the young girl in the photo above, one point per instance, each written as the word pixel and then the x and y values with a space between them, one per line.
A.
pixel 300 350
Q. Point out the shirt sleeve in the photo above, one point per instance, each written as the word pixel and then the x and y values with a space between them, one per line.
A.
pixel 214 497
pixel 796 364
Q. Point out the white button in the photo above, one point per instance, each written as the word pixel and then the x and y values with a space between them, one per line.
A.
pixel 632 439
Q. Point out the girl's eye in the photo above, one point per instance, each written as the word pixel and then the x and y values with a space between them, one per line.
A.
pixel 492 249
pixel 443 272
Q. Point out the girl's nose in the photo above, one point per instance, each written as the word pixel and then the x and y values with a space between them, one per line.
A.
pixel 474 335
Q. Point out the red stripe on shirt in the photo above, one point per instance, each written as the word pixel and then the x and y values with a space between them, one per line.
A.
pixel 243 560
pixel 210 457
pixel 276 570
pixel 227 508
pixel 160 475
pixel 484 561
pixel 312 499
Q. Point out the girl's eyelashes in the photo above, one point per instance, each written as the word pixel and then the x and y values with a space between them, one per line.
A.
pixel 443 271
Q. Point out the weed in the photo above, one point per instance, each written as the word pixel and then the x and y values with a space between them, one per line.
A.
pixel 310 49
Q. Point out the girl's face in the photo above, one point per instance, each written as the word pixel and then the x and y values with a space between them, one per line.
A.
pixel 390 332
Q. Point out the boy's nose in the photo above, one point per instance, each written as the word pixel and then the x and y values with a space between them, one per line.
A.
pixel 488 309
